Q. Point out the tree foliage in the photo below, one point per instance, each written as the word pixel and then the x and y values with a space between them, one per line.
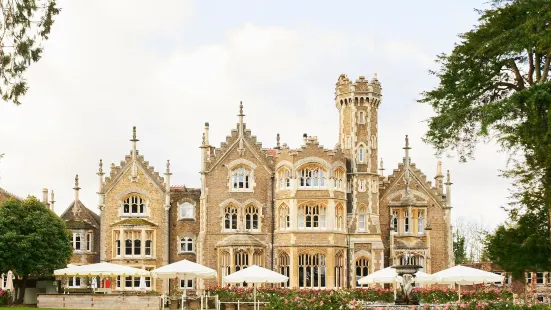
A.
pixel 33 239
pixel 495 85
pixel 24 25
pixel 459 248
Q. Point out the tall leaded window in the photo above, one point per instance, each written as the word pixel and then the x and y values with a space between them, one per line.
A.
pixel 241 260
pixel 340 179
pixel 284 219
pixel 406 221
pixel 117 243
pixel 339 269
pixel 241 179
pixel 77 241
pixel 186 211
pixel 225 264
pixel 284 267
pixel 312 177
pixel 395 220
pixel 133 243
pixel 89 242
pixel 251 217
pixel 361 154
pixel 312 216
pixel 284 177
pixel 420 222
pixel 362 218
pixel 362 268
pixel 230 217
pixel 339 217
pixel 186 245
pixel 134 205
pixel 148 243
pixel 311 271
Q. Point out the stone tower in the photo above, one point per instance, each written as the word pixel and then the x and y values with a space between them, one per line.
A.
pixel 358 104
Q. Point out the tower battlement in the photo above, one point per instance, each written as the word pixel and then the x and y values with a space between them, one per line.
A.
pixel 361 91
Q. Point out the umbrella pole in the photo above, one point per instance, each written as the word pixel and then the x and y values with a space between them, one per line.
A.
pixel 459 292
pixel 254 304
pixel 394 286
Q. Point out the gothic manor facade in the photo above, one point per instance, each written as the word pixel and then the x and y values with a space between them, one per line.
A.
pixel 323 217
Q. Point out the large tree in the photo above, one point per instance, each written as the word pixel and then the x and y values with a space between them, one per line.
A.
pixel 24 25
pixel 33 240
pixel 495 85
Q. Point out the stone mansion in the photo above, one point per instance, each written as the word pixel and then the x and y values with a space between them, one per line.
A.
pixel 323 217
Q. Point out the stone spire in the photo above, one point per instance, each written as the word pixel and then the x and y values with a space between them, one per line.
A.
pixel 448 190
pixel 439 178
pixel 45 196
pixel 76 188
pixel 407 161
pixel 100 176
pixel 206 134
pixel 167 185
pixel 381 169
pixel 52 201
pixel 134 175
pixel 278 146
pixel 241 148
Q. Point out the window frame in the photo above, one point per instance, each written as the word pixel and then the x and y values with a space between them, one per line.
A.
pixel 186 241
pixel 181 211
pixel 141 201
pixel 247 179
pixel 71 282
pixel 312 177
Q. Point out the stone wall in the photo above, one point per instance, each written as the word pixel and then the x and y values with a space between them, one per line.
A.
pixel 112 302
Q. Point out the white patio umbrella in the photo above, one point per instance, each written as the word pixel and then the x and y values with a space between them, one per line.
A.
pixel 9 282
pixel 184 270
pixel 389 275
pixel 102 270
pixel 255 274
pixel 463 275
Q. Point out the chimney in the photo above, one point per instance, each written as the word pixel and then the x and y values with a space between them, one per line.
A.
pixel 45 196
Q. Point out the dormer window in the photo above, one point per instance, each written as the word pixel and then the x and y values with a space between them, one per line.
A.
pixel 134 205
pixel 186 211
pixel 241 179
pixel 312 177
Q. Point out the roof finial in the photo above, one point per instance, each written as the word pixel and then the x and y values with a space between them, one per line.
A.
pixel 277 139
pixel 381 166
pixel 448 179
pixel 76 182
pixel 241 108
pixel 168 165
pixel 407 162
pixel 134 133
pixel 100 166
pixel 52 201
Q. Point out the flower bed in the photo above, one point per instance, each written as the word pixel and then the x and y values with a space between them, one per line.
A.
pixel 4 297
pixel 282 298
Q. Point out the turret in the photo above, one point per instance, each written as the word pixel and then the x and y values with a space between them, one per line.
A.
pixel 167 185
pixel 134 155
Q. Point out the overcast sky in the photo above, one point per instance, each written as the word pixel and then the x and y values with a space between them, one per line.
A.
pixel 110 65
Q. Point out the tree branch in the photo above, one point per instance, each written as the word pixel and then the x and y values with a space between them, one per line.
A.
pixel 546 67
pixel 538 66
pixel 518 76
pixel 530 67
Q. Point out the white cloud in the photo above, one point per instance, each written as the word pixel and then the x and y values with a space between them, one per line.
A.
pixel 112 65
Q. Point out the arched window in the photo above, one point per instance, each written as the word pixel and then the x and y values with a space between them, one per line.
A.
pixel 284 219
pixel 312 216
pixel 339 216
pixel 241 179
pixel 225 265
pixel 241 260
pixel 251 218
pixel 230 217
pixel 406 222
pixel 186 211
pixel 361 185
pixel 133 205
pixel 311 271
pixel 362 218
pixel 148 243
pixel 340 179
pixel 395 221
pixel 339 270
pixel 420 222
pixel 284 267
pixel 361 154
pixel 312 177
pixel 362 268
pixel 284 177
pixel 186 245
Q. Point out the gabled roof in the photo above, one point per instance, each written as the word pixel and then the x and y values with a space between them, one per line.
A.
pixel 4 192
pixel 77 212
pixel 118 171
pixel 134 222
